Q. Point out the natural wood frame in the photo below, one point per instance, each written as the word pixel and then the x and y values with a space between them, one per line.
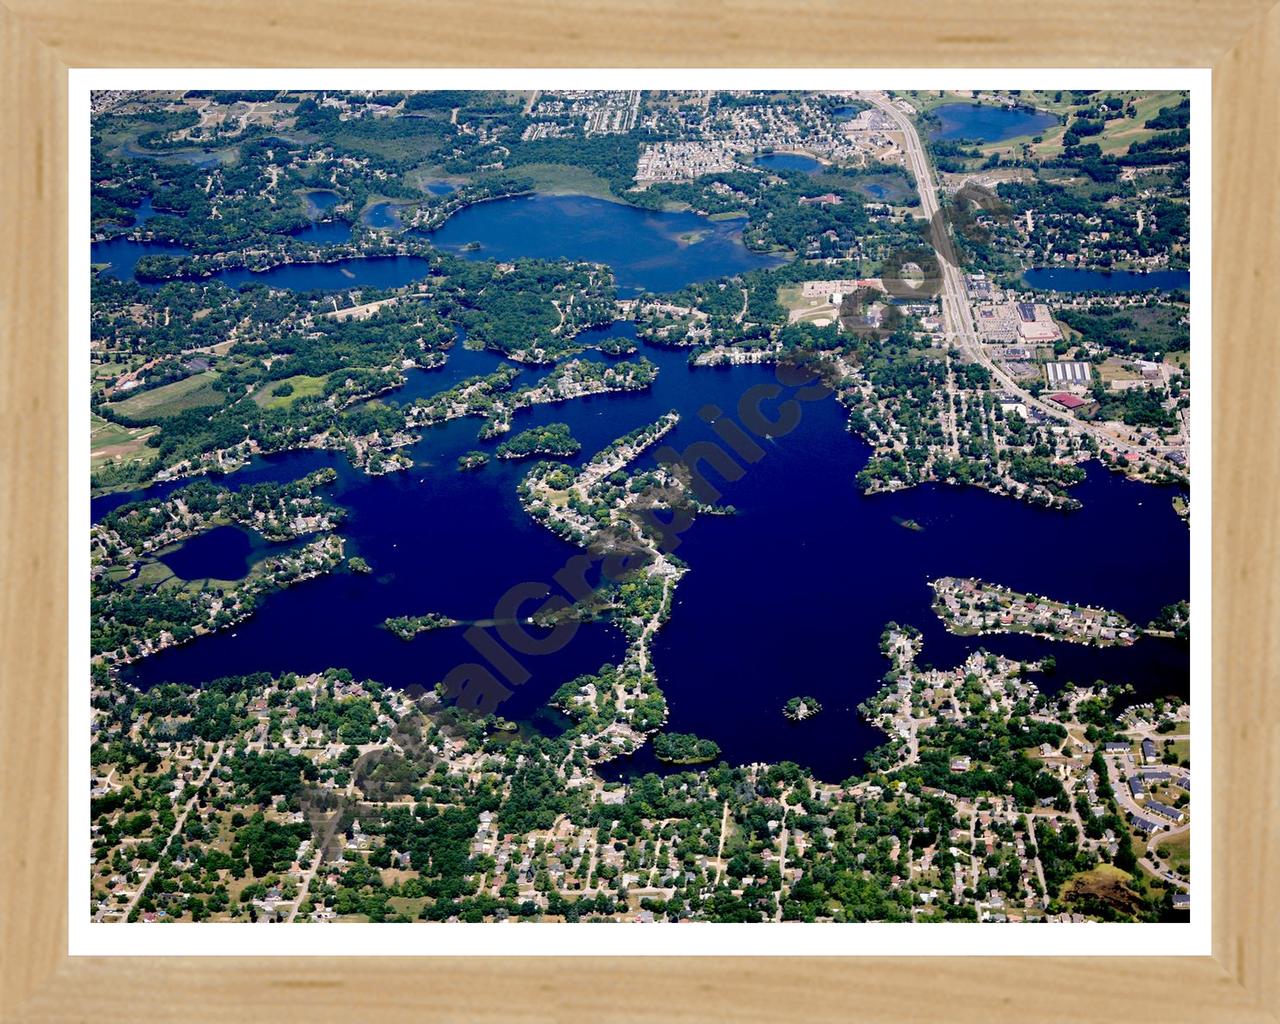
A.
pixel 40 39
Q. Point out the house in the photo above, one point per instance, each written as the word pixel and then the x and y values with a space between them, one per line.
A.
pixel 1172 813
pixel 1149 752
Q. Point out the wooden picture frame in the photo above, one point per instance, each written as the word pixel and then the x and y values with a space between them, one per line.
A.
pixel 42 39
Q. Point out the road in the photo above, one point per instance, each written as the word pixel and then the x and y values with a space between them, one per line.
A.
pixel 145 878
pixel 724 828
pixel 1147 857
pixel 957 313
pixel 308 873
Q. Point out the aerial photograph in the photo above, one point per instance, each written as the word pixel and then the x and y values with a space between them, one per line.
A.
pixel 638 506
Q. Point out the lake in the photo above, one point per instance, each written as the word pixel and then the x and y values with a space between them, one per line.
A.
pixel 787 162
pixel 982 122
pixel 648 250
pixel 382 215
pixel 224 553
pixel 1074 279
pixel 319 201
pixel 196 157
pixel 787 597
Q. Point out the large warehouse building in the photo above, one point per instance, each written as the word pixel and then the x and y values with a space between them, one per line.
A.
pixel 1065 373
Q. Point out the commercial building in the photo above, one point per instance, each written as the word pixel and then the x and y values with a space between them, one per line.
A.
pixel 1066 373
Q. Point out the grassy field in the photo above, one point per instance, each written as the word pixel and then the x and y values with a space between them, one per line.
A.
pixel 409 907
pixel 1179 851
pixel 564 179
pixel 193 392
pixel 1117 369
pixel 109 441
pixel 303 387
pixel 110 371
pixel 390 144
pixel 1117 135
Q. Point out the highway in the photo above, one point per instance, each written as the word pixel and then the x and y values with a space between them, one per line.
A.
pixel 957 313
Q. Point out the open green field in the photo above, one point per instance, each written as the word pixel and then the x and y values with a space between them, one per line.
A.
pixel 304 386
pixel 1179 851
pixel 109 441
pixel 194 392
pixel 102 370
pixel 1117 135
pixel 409 907
pixel 565 179
pixel 409 141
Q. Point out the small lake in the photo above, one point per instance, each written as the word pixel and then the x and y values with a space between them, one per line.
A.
pixel 1073 279
pixel 196 157
pixel 982 122
pixel 648 250
pixel 325 232
pixel 319 201
pixel 382 215
pixel 441 188
pixel 122 254
pixel 223 553
pixel 787 162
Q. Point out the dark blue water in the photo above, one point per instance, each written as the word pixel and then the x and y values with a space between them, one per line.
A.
pixel 787 162
pixel 644 247
pixel 846 113
pixel 382 215
pixel 647 250
pixel 1069 279
pixel 441 188
pixel 319 202
pixel 223 553
pixel 122 254
pixel 146 211
pixel 981 122
pixel 788 597
pixel 878 191
pixel 324 232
